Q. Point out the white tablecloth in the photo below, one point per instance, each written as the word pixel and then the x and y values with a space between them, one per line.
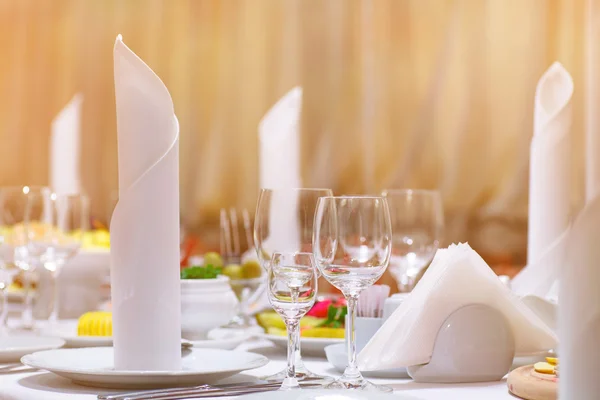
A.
pixel 46 386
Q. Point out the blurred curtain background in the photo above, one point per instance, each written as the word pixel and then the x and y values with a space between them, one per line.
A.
pixel 411 93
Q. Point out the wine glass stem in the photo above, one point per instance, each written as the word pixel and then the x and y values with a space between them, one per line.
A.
pixel 56 304
pixel 292 326
pixel 352 369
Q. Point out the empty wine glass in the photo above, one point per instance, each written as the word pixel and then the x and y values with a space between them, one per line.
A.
pixel 417 224
pixel 59 237
pixel 292 290
pixel 352 244
pixel 17 206
pixel 284 223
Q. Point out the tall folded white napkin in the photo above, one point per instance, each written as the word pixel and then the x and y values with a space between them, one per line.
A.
pixel 279 143
pixel 549 183
pixel 145 224
pixel 457 277
pixel 65 148
pixel 579 309
pixel 279 138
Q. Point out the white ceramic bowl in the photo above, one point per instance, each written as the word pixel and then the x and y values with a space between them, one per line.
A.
pixel 206 304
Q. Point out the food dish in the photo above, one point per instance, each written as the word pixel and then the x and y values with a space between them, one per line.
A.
pixel 94 367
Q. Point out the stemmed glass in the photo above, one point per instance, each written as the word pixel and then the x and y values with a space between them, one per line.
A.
pixel 284 222
pixel 59 238
pixel 292 289
pixel 18 205
pixel 352 244
pixel 417 222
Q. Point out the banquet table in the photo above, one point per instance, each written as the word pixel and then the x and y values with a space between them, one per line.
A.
pixel 46 386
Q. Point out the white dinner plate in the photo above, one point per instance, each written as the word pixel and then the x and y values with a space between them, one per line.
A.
pixel 310 394
pixel 310 346
pixel 94 367
pixel 223 338
pixel 12 348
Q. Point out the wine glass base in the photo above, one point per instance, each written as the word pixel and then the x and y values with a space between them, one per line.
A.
pixel 360 384
pixel 300 376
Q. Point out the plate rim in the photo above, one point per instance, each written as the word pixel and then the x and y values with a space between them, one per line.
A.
pixel 260 361
pixel 36 348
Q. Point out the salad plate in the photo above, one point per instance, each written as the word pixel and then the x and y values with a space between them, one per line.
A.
pixel 66 330
pixel 94 367
pixel 311 346
pixel 12 348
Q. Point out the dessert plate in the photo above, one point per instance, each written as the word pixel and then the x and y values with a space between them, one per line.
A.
pixel 12 348
pixel 94 367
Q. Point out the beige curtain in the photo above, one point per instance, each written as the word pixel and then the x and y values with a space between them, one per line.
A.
pixel 411 93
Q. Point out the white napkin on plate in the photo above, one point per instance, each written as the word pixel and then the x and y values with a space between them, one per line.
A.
pixel 579 308
pixel 279 143
pixel 144 230
pixel 549 184
pixel 457 277
pixel 65 148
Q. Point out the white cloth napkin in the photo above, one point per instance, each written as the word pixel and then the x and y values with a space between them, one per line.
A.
pixel 65 148
pixel 279 143
pixel 279 137
pixel 457 277
pixel 145 223
pixel 579 309
pixel 549 184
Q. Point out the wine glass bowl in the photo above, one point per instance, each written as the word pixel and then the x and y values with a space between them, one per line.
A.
pixel 352 245
pixel 292 290
pixel 417 222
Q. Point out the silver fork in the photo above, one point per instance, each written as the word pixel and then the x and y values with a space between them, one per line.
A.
pixel 201 391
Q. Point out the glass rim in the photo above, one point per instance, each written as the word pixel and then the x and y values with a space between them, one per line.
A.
pixel 411 191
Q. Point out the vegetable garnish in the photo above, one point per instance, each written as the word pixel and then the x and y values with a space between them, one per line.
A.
pixel 201 272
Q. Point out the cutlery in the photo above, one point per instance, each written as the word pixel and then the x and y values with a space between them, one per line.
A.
pixel 202 391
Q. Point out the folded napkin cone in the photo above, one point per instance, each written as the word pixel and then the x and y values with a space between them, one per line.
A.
pixel 457 277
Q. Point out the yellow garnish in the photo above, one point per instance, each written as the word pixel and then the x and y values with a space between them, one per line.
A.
pixel 552 360
pixel 97 323
pixel 544 368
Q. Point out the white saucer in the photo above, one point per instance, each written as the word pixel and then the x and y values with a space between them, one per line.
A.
pixel 223 338
pixel 94 367
pixel 336 355
pixel 328 395
pixel 310 346
pixel 12 348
